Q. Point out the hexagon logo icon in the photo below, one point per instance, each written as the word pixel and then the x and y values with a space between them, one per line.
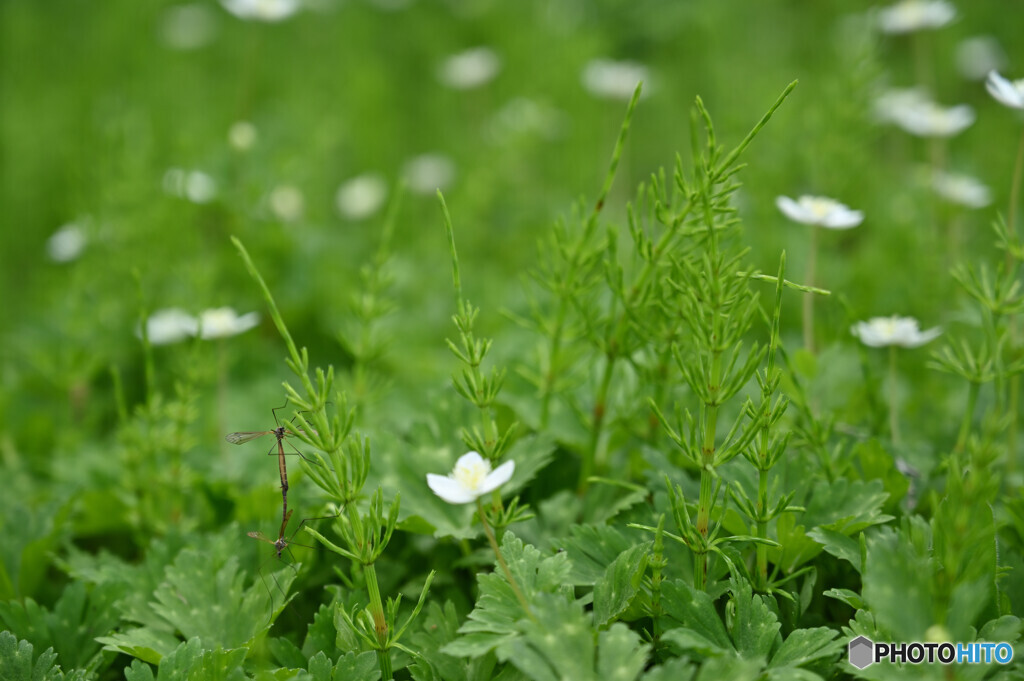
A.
pixel 862 652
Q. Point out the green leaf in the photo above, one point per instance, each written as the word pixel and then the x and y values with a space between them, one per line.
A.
pixel 31 536
pixel 440 627
pixel 320 667
pixel 838 544
pixel 591 549
pixel 675 669
pixel 70 628
pixel 17 664
pixel 804 646
pixel 704 630
pixel 614 592
pixel 357 667
pixel 896 580
pixel 755 629
pixel 145 643
pixel 851 598
pixel 190 662
pixel 620 656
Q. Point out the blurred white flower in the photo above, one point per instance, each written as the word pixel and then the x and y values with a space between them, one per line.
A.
pixel 262 10
pixel 169 326
pixel 879 332
pixel 962 189
pixel 469 69
pixel 66 244
pixel 188 27
pixel 194 185
pixel 819 210
pixel 224 321
pixel 242 135
pixel 361 196
pixel 471 479
pixel 913 15
pixel 1007 92
pixel 287 203
pixel 523 116
pixel 928 119
pixel 427 173
pixel 976 56
pixel 892 103
pixel 614 79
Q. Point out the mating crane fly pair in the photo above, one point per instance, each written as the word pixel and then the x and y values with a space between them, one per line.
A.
pixel 280 433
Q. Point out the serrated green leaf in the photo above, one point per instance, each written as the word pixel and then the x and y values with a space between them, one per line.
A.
pixel 620 583
pixel 147 644
pixel 895 590
pixel 620 655
pixel 138 671
pixel 675 669
pixel 70 628
pixel 803 646
pixel 31 536
pixel 320 667
pixel 846 506
pixel 286 653
pixel 591 549
pixel 17 663
pixel 440 627
pixel 190 662
pixel 694 609
pixel 732 668
pixel 838 545
pixel 755 628
pixel 357 667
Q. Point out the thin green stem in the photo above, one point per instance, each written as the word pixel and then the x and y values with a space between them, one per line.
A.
pixel 808 299
pixel 965 423
pixel 894 425
pixel 762 529
pixel 501 560
pixel 380 622
pixel 600 409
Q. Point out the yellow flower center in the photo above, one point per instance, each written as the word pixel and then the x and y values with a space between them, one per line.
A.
pixel 471 474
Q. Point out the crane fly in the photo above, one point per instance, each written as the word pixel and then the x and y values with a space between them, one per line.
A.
pixel 280 433
pixel 281 545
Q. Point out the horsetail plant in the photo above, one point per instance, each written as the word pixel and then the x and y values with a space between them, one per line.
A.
pixel 343 465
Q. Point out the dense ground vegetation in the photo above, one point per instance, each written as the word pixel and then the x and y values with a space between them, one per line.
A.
pixel 401 231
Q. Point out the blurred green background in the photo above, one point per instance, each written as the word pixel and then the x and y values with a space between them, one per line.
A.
pixel 107 108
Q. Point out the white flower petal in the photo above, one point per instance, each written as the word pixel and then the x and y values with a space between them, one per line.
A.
pixel 843 219
pixel 884 331
pixel 1005 92
pixel 449 489
pixel 498 477
pixel 471 459
pixel 791 209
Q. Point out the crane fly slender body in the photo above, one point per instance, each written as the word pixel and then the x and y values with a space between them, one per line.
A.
pixel 280 433
pixel 280 544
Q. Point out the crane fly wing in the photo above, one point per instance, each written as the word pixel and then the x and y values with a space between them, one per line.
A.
pixel 260 536
pixel 244 436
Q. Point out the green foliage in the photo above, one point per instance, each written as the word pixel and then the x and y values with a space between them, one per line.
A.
pixel 696 495
pixel 18 663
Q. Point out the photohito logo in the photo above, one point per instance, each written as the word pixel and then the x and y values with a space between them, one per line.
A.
pixel 864 652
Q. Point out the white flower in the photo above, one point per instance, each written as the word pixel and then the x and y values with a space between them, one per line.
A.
pixel 286 203
pixel 976 56
pixel 614 79
pixel 224 321
pixel 242 135
pixel 1007 92
pixel 427 173
pixel 361 196
pixel 66 244
pixel 912 15
pixel 879 332
pixel 471 479
pixel 188 27
pixel 469 69
pixel 962 189
pixel 169 326
pixel 262 10
pixel 819 210
pixel 525 117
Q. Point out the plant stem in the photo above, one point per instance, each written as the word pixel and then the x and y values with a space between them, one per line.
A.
pixel 380 623
pixel 1011 431
pixel 894 425
pixel 808 301
pixel 600 408
pixel 501 560
pixel 965 423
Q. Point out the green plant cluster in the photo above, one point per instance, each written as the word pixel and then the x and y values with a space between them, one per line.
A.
pixel 697 493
